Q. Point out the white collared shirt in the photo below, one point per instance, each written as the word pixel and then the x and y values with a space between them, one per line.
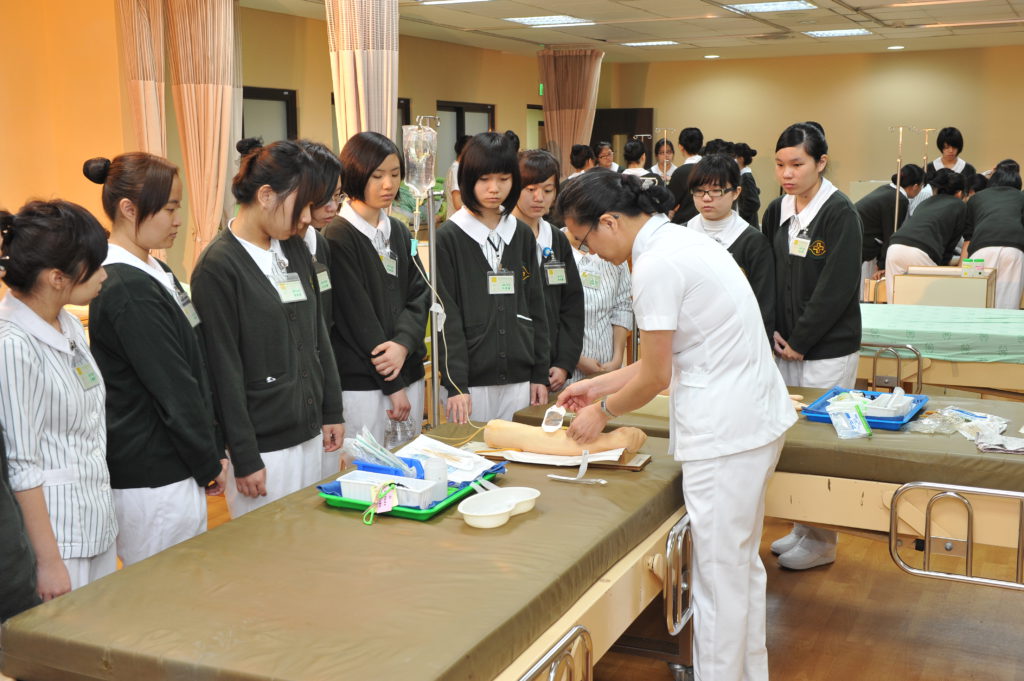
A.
pixel 576 174
pixel 639 172
pixel 264 258
pixel 745 170
pixel 804 218
pixel 479 232
pixel 116 255
pixel 958 167
pixel 692 159
pixel 309 238
pixel 724 231
pixel 54 429
pixel 379 234
pixel 667 175
pixel 544 238
pixel 901 190
pixel 727 395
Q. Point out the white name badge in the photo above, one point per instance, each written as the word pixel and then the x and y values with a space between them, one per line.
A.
pixel 501 283
pixel 289 287
pixel 85 372
pixel 555 273
pixel 390 265
pixel 190 312
pixel 323 279
pixel 799 244
pixel 591 280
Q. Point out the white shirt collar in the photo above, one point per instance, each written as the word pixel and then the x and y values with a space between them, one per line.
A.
pixel 647 232
pixel 310 239
pixel 20 314
pixel 639 172
pixel 478 231
pixel 731 228
pixel 116 255
pixel 745 170
pixel 364 227
pixel 900 189
pixel 264 258
pixel 958 167
pixel 692 159
pixel 576 174
pixel 810 211
pixel 544 238
pixel 656 169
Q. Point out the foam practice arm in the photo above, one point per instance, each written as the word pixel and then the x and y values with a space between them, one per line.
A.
pixel 508 435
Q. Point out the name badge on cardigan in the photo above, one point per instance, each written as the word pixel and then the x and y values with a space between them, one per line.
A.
pixel 184 302
pixel 501 283
pixel 323 279
pixel 554 272
pixel 390 262
pixel 799 244
pixel 289 288
pixel 591 280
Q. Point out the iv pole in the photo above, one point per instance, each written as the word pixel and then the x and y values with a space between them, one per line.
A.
pixel 664 136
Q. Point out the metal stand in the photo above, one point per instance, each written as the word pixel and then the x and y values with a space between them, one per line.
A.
pixel 435 307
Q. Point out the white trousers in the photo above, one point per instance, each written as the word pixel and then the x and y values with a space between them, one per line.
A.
pixel 288 470
pixel 724 498
pixel 369 408
pixel 1009 264
pixel 87 570
pixel 151 519
pixel 820 373
pixel 496 401
pixel 898 259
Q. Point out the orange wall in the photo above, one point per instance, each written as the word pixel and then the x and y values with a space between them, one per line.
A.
pixel 60 99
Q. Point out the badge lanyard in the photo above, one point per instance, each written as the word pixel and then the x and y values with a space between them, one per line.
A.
pixel 323 278
pixel 500 281
pixel 388 258
pixel 288 284
pixel 85 372
pixel 184 302
pixel 554 270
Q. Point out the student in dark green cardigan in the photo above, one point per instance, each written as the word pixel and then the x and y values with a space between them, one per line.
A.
pixel 563 290
pixel 17 560
pixel 275 382
pixel 495 353
pixel 381 319
pixel 815 233
pixel 327 165
pixel 163 448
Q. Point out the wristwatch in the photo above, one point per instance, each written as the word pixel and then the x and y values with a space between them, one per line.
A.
pixel 604 408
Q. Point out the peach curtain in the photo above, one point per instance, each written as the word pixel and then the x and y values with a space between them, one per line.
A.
pixel 236 121
pixel 570 79
pixel 363 40
pixel 201 45
pixel 142 53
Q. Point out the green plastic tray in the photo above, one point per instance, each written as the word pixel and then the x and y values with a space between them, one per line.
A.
pixel 454 495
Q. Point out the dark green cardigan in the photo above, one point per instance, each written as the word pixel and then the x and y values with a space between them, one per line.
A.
pixel 490 340
pixel 17 560
pixel 373 307
pixel 160 418
pixel 275 382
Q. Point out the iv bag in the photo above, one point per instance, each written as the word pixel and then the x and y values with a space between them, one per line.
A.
pixel 419 144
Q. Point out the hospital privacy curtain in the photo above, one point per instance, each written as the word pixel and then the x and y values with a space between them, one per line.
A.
pixel 201 46
pixel 570 79
pixel 363 40
pixel 142 53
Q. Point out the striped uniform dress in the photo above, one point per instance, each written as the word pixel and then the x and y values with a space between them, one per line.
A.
pixel 55 429
pixel 607 302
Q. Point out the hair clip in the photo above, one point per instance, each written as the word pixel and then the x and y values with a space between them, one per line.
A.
pixel 647 182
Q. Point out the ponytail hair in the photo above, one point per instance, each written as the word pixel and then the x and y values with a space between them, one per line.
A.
pixel 144 179
pixel 285 167
pixel 601 191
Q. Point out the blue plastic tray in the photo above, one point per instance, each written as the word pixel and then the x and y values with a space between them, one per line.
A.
pixel 816 410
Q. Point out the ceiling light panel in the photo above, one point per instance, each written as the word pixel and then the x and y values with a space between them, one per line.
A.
pixel 651 43
pixel 764 7
pixel 550 20
pixel 837 33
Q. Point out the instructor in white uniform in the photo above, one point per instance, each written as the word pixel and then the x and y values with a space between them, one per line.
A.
pixel 701 332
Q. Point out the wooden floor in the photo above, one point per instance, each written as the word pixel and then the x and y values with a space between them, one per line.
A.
pixel 862 618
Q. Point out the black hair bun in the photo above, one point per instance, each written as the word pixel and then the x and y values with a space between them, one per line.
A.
pixel 96 169
pixel 248 145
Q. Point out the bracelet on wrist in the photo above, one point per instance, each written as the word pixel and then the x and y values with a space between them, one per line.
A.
pixel 606 410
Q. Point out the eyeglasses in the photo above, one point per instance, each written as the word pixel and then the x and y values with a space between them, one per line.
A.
pixel 605 155
pixel 713 193
pixel 583 247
